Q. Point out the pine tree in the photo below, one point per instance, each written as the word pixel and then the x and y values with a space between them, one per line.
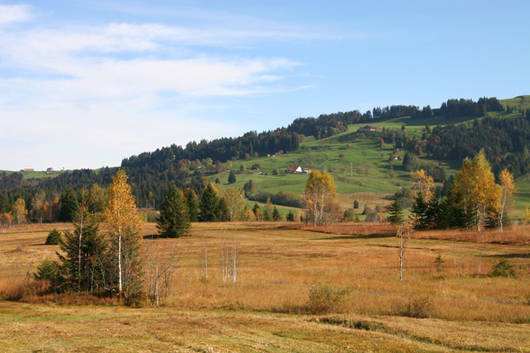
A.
pixel 222 213
pixel 53 238
pixel 174 220
pixel 69 205
pixel 419 209
pixel 276 215
pixel 257 212
pixel 81 254
pixel 231 177
pixel 208 204
pixel 290 216
pixel 193 205
pixel 395 213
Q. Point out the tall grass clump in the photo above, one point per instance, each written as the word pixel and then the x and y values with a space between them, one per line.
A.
pixel 420 306
pixel 324 299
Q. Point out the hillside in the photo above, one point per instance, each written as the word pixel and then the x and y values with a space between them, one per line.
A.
pixel 367 167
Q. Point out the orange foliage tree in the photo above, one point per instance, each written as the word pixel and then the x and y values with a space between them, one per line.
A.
pixel 476 190
pixel 125 224
pixel 320 193
pixel 507 188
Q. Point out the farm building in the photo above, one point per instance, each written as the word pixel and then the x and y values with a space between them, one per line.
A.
pixel 368 128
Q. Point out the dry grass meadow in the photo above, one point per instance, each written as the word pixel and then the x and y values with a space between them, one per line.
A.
pixel 331 289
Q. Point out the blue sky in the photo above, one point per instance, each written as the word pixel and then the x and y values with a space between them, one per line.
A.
pixel 87 83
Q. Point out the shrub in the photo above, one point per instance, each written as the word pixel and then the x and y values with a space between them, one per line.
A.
pixel 348 215
pixel 324 299
pixel 54 238
pixel 16 289
pixel 416 306
pixel 503 268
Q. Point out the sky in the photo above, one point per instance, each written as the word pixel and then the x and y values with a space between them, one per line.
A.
pixel 84 84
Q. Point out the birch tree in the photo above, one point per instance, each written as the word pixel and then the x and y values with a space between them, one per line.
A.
pixel 476 190
pixel 125 224
pixel 235 203
pixel 19 211
pixel 423 184
pixel 403 237
pixel 320 192
pixel 507 189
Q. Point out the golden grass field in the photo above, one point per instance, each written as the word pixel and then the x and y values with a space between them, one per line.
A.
pixel 454 307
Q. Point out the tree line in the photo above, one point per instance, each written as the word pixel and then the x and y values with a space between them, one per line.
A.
pixel 152 173
pixel 473 199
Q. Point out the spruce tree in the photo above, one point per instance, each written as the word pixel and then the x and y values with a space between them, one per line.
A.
pixel 208 205
pixel 290 216
pixel 81 254
pixel 69 205
pixel 419 209
pixel 174 219
pixel 222 211
pixel 395 212
pixel 231 177
pixel 193 205
pixel 257 211
pixel 276 215
pixel 53 238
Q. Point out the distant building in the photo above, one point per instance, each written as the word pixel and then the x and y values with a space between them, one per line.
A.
pixel 368 128
pixel 27 170
pixel 298 170
pixel 292 169
pixel 49 170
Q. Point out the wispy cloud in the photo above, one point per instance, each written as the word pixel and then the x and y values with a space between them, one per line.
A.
pixel 97 87
pixel 14 13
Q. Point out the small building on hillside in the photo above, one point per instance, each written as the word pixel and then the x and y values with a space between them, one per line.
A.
pixel 298 170
pixel 368 128
pixel 48 170
pixel 27 170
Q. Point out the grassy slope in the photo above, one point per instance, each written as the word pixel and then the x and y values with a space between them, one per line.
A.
pixel 37 174
pixel 363 173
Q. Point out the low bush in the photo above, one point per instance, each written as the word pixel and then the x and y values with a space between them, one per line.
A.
pixel 18 289
pixel 325 299
pixel 503 268
pixel 416 306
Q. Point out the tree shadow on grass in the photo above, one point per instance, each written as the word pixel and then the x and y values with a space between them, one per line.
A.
pixel 358 236
pixel 511 256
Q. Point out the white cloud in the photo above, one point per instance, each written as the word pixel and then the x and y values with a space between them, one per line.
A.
pixel 90 96
pixel 14 13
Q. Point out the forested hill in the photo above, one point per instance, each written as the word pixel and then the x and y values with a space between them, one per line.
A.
pixel 461 128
